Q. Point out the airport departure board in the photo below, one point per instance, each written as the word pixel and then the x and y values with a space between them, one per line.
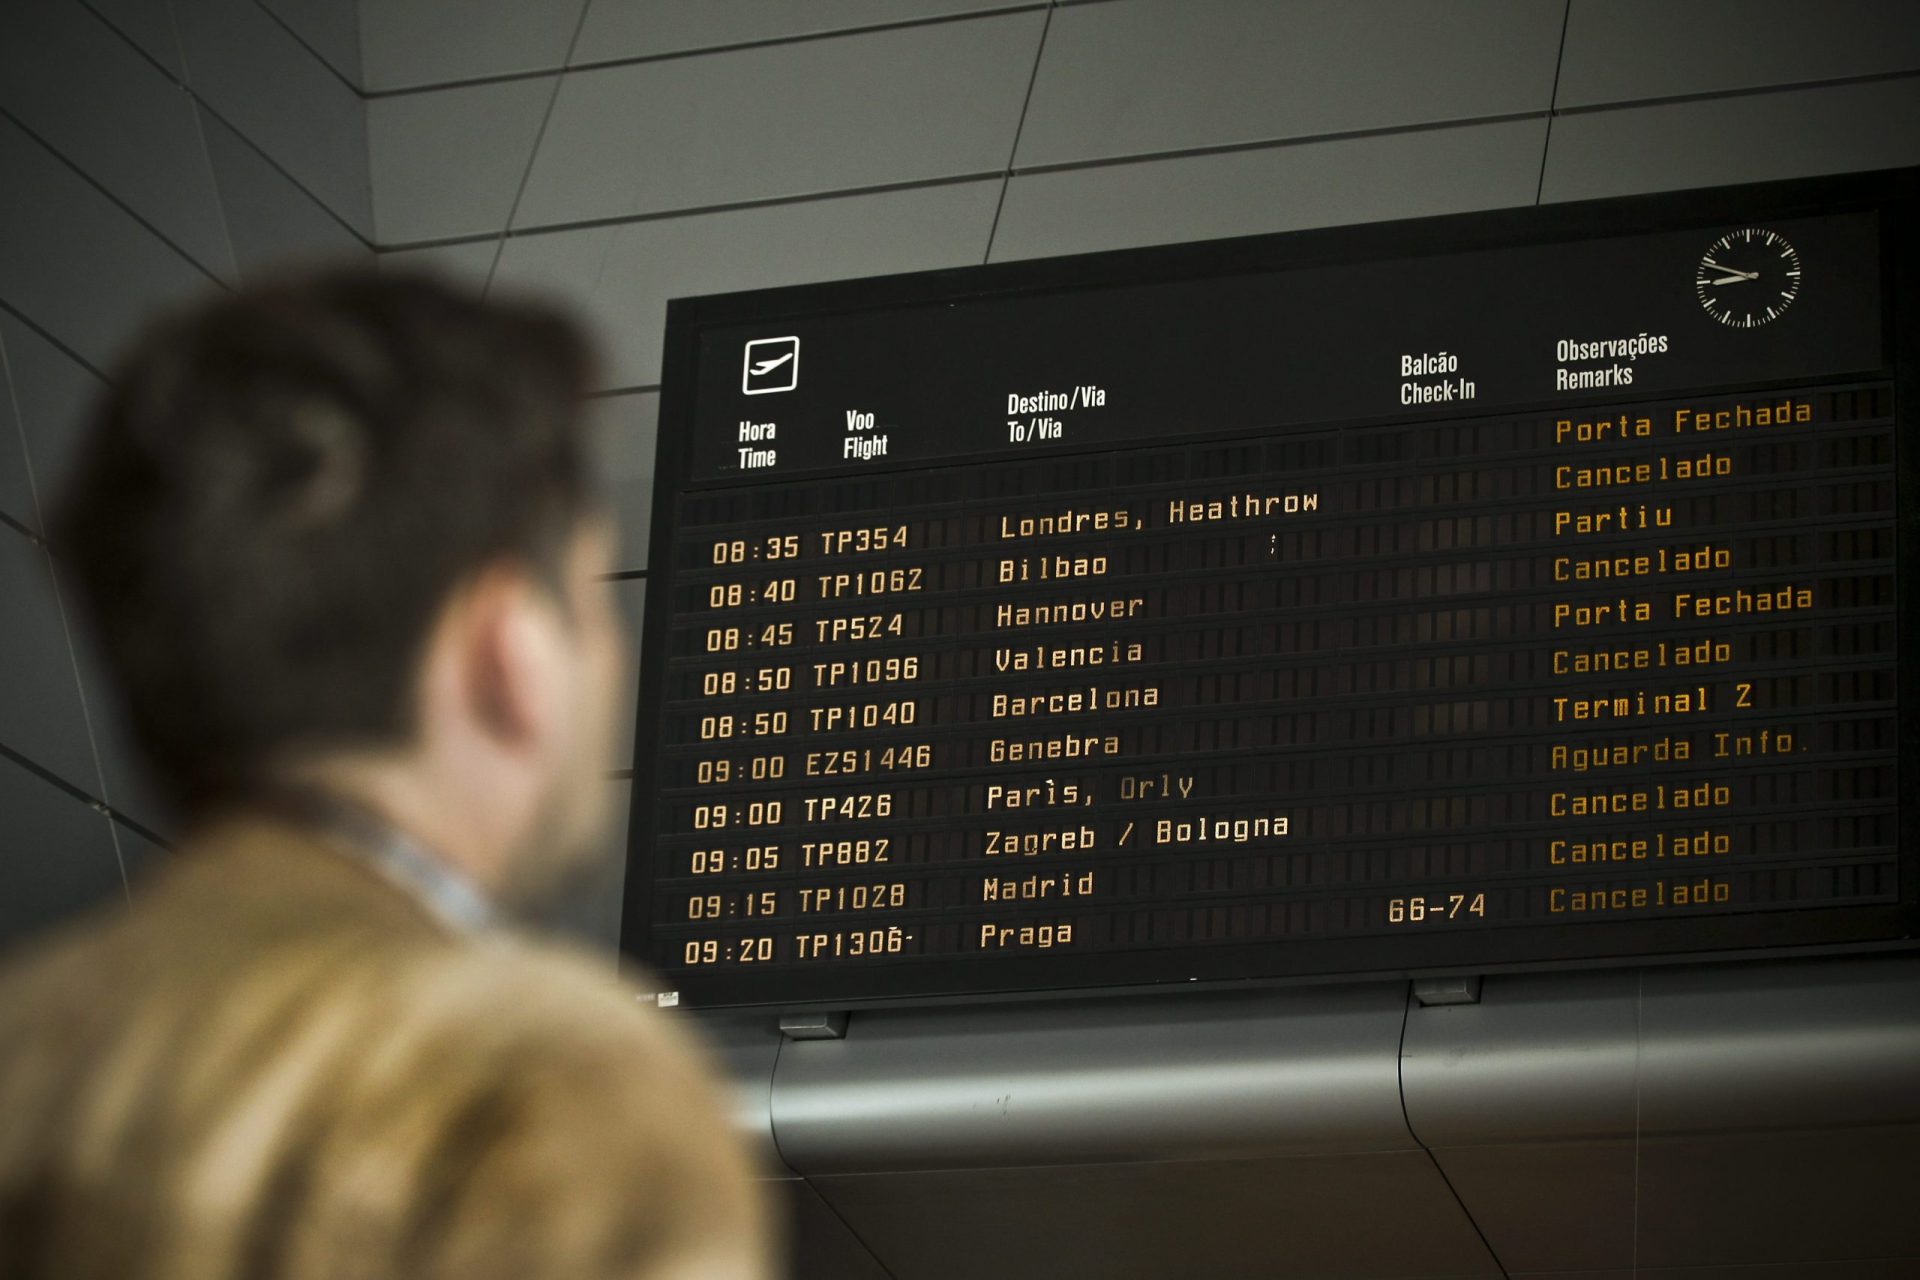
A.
pixel 1504 589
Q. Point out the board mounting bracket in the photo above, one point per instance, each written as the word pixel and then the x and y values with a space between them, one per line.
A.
pixel 1464 989
pixel 814 1026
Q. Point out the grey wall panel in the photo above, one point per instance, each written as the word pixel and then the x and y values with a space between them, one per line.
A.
pixel 1627 50
pixel 425 42
pixel 1750 138
pixel 449 163
pixel 17 501
pixel 623 429
pixel 258 76
pixel 1859 1269
pixel 1780 1197
pixel 783 120
pixel 1281 188
pixel 819 1245
pixel 41 716
pixel 1725 1046
pixel 331 29
pixel 73 261
pixel 1856 1269
pixel 411 44
pixel 1566 1108
pixel 71 79
pixel 16 486
pixel 138 855
pixel 1541 1056
pixel 626 432
pixel 148 26
pixel 617 29
pixel 56 856
pixel 631 596
pixel 269 218
pixel 621 276
pixel 1564 1206
pixel 52 393
pixel 1241 1075
pixel 1549 1206
pixel 125 784
pixel 1356 1217
pixel 745 1050
pixel 467 260
pixel 1148 76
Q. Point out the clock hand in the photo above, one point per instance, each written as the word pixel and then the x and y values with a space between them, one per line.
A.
pixel 1733 271
pixel 1734 279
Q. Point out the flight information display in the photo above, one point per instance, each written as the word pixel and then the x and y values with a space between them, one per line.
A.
pixel 1505 589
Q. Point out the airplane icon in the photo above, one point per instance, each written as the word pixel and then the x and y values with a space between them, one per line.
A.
pixel 770 364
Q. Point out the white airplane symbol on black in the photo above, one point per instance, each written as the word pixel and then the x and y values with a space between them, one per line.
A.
pixel 762 368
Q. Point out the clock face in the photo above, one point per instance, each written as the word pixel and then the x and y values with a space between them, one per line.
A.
pixel 1748 277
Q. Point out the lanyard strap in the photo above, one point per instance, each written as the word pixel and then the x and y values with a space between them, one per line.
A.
pixel 393 855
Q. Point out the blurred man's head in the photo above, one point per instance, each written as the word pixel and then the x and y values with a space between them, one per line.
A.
pixel 339 533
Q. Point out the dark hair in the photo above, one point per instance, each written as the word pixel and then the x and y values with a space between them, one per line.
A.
pixel 282 487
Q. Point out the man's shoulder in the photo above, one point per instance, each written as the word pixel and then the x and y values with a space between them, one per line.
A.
pixel 530 1060
pixel 58 967
pixel 529 1015
pixel 268 928
pixel 217 921
pixel 554 1037
pixel 526 993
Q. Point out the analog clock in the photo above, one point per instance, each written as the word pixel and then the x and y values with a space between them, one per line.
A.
pixel 1748 277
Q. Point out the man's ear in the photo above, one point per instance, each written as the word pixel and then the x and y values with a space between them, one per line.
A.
pixel 510 656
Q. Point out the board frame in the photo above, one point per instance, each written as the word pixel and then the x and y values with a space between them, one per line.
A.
pixel 1893 194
